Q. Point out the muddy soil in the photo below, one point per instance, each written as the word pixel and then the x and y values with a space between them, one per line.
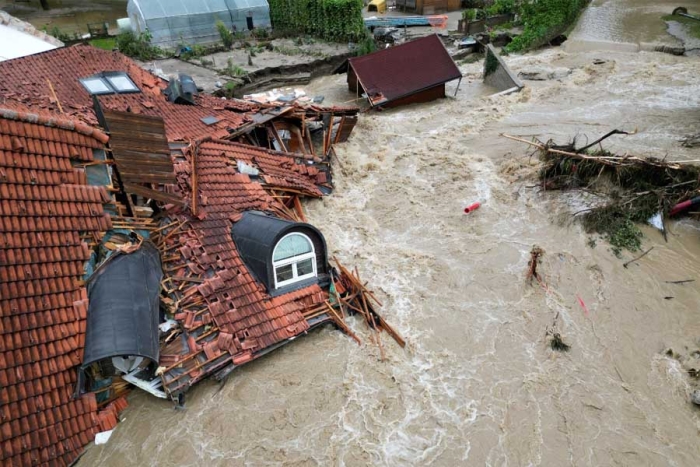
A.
pixel 478 383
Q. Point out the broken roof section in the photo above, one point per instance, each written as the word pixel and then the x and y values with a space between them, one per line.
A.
pixel 95 78
pixel 415 71
pixel 46 211
pixel 227 316
pixel 51 82
pixel 198 186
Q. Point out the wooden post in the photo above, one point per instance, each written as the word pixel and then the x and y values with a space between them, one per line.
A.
pixel 194 182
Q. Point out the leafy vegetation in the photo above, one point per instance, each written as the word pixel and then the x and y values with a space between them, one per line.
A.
pixel 490 63
pixel 366 46
pixel 60 35
pixel 105 43
pixel 334 20
pixel 635 189
pixel 233 69
pixel 474 3
pixel 226 35
pixel 469 14
pixel 693 26
pixel 138 47
pixel 542 20
pixel 501 7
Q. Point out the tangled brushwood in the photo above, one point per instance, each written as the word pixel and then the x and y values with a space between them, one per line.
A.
pixel 634 188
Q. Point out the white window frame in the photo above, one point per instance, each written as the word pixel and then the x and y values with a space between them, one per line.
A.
pixel 294 260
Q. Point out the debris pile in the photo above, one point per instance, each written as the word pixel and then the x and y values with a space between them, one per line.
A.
pixel 631 189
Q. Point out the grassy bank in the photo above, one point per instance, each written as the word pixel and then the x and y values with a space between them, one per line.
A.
pixel 693 26
pixel 543 20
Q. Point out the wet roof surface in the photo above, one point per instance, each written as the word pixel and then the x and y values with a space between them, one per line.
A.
pixel 45 206
pixel 25 85
pixel 405 69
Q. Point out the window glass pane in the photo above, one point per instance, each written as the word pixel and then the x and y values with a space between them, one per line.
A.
pixel 284 273
pixel 293 245
pixel 122 83
pixel 305 267
pixel 96 86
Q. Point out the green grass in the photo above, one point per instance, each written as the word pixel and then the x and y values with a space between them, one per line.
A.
pixel 106 43
pixel 692 25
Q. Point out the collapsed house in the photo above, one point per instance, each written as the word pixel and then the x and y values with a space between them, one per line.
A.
pixel 152 236
pixel 408 73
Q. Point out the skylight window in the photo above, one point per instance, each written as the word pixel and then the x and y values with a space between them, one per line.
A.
pixel 96 86
pixel 109 83
pixel 122 83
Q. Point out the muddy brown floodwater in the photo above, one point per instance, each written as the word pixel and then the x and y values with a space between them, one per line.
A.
pixel 477 383
pixel 67 15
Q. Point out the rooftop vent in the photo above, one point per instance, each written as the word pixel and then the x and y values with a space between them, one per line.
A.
pixel 181 90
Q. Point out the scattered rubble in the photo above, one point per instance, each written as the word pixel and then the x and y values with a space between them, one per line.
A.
pixel 126 202
pixel 631 189
pixel 539 73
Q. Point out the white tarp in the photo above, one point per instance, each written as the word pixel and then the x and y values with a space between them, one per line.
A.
pixel 15 44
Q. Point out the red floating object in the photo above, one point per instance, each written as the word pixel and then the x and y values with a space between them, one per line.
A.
pixel 472 207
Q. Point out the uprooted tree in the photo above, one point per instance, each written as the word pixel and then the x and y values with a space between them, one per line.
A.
pixel 630 189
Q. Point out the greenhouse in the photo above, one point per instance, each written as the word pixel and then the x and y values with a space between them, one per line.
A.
pixel 175 22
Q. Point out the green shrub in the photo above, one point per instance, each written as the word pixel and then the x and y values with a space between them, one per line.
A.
pixel 233 70
pixel 469 15
pixel 501 7
pixel 105 43
pixel 260 33
pixel 544 19
pixel 226 35
pixel 334 20
pixel 366 46
pixel 60 35
pixel 138 47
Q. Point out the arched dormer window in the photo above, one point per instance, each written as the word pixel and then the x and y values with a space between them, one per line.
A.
pixel 294 259
pixel 281 255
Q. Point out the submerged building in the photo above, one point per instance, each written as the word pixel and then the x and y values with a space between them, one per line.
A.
pixel 408 73
pixel 151 236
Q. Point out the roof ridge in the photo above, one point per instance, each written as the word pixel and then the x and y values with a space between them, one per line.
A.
pixel 392 49
pixel 55 122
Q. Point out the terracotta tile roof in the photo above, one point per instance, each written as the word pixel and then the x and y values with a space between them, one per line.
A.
pixel 25 81
pixel 229 316
pixel 278 169
pixel 45 206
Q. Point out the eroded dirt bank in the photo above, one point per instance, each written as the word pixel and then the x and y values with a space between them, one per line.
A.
pixel 478 384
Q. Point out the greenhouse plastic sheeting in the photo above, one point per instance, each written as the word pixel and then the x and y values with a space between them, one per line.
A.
pixel 175 22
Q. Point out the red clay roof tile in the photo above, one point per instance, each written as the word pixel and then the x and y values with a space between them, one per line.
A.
pixel 24 87
pixel 41 261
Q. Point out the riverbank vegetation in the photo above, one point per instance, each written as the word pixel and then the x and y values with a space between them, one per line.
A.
pixel 692 25
pixel 541 20
pixel 332 20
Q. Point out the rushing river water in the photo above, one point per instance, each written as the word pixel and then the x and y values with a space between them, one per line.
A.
pixel 477 383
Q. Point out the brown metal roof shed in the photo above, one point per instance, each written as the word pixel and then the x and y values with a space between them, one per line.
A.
pixel 412 72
